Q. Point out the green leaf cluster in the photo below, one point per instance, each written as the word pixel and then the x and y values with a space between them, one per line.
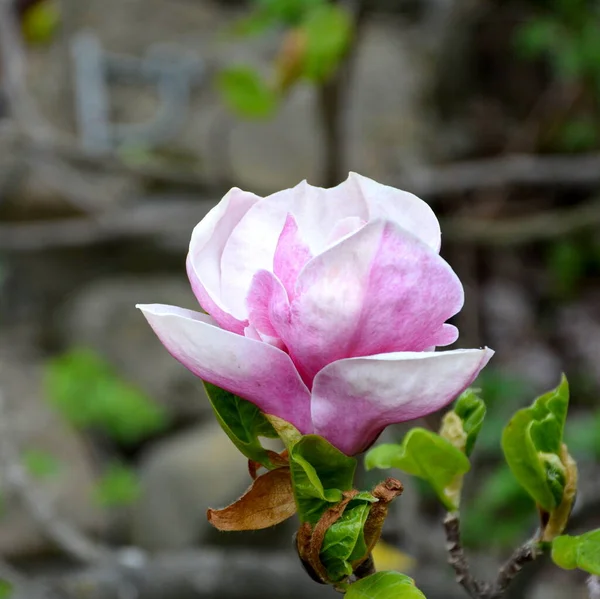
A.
pixel 89 394
pixel 321 33
pixel 532 444
pixel 384 585
pixel 581 552
pixel 425 455
pixel 320 474
pixel 344 541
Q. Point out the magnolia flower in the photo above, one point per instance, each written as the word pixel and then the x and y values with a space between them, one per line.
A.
pixel 324 308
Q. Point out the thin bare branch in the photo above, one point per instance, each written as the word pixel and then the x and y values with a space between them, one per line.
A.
pixel 171 220
pixel 458 559
pixel 572 170
pixel 475 588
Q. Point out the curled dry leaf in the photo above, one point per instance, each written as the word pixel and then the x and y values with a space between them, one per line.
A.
pixel 268 501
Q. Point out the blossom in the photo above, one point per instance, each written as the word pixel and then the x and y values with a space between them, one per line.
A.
pixel 324 308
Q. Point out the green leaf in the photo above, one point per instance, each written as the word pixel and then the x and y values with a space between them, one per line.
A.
pixel 243 423
pixel 345 540
pixel 6 589
pixel 581 552
pixel 320 473
pixel 470 408
pixel 532 443
pixel 40 464
pixel 384 585
pixel 425 455
pixel 328 32
pixel 88 393
pixel 119 487
pixel 246 94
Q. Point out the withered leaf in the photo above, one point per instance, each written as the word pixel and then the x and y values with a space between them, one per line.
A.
pixel 268 501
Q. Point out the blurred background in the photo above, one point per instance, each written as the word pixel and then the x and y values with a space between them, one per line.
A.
pixel 122 122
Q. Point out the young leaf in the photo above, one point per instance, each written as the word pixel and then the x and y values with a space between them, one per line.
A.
pixel 246 94
pixel 384 585
pixel 532 443
pixel 328 31
pixel 243 423
pixel 320 473
pixel 428 456
pixel 345 541
pixel 581 552
pixel 469 407
pixel 268 501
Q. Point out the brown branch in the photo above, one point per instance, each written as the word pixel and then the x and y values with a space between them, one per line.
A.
pixel 458 559
pixel 172 220
pixel 475 588
pixel 521 557
pixel 572 170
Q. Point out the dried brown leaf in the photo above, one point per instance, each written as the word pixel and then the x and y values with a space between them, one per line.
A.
pixel 268 501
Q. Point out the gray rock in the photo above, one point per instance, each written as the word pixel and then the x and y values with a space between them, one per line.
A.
pixel 37 427
pixel 103 317
pixel 181 478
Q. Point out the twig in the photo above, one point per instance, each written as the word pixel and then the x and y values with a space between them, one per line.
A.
pixel 522 556
pixel 458 559
pixel 477 589
pixel 543 226
pixel 504 171
pixel 332 98
pixel 67 538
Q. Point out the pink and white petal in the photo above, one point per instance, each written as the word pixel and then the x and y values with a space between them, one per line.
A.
pixel 329 297
pixel 268 306
pixel 353 400
pixel 380 290
pixel 447 335
pixel 291 254
pixel 204 257
pixel 411 292
pixel 251 369
pixel 343 228
pixel 252 244
pixel 405 209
